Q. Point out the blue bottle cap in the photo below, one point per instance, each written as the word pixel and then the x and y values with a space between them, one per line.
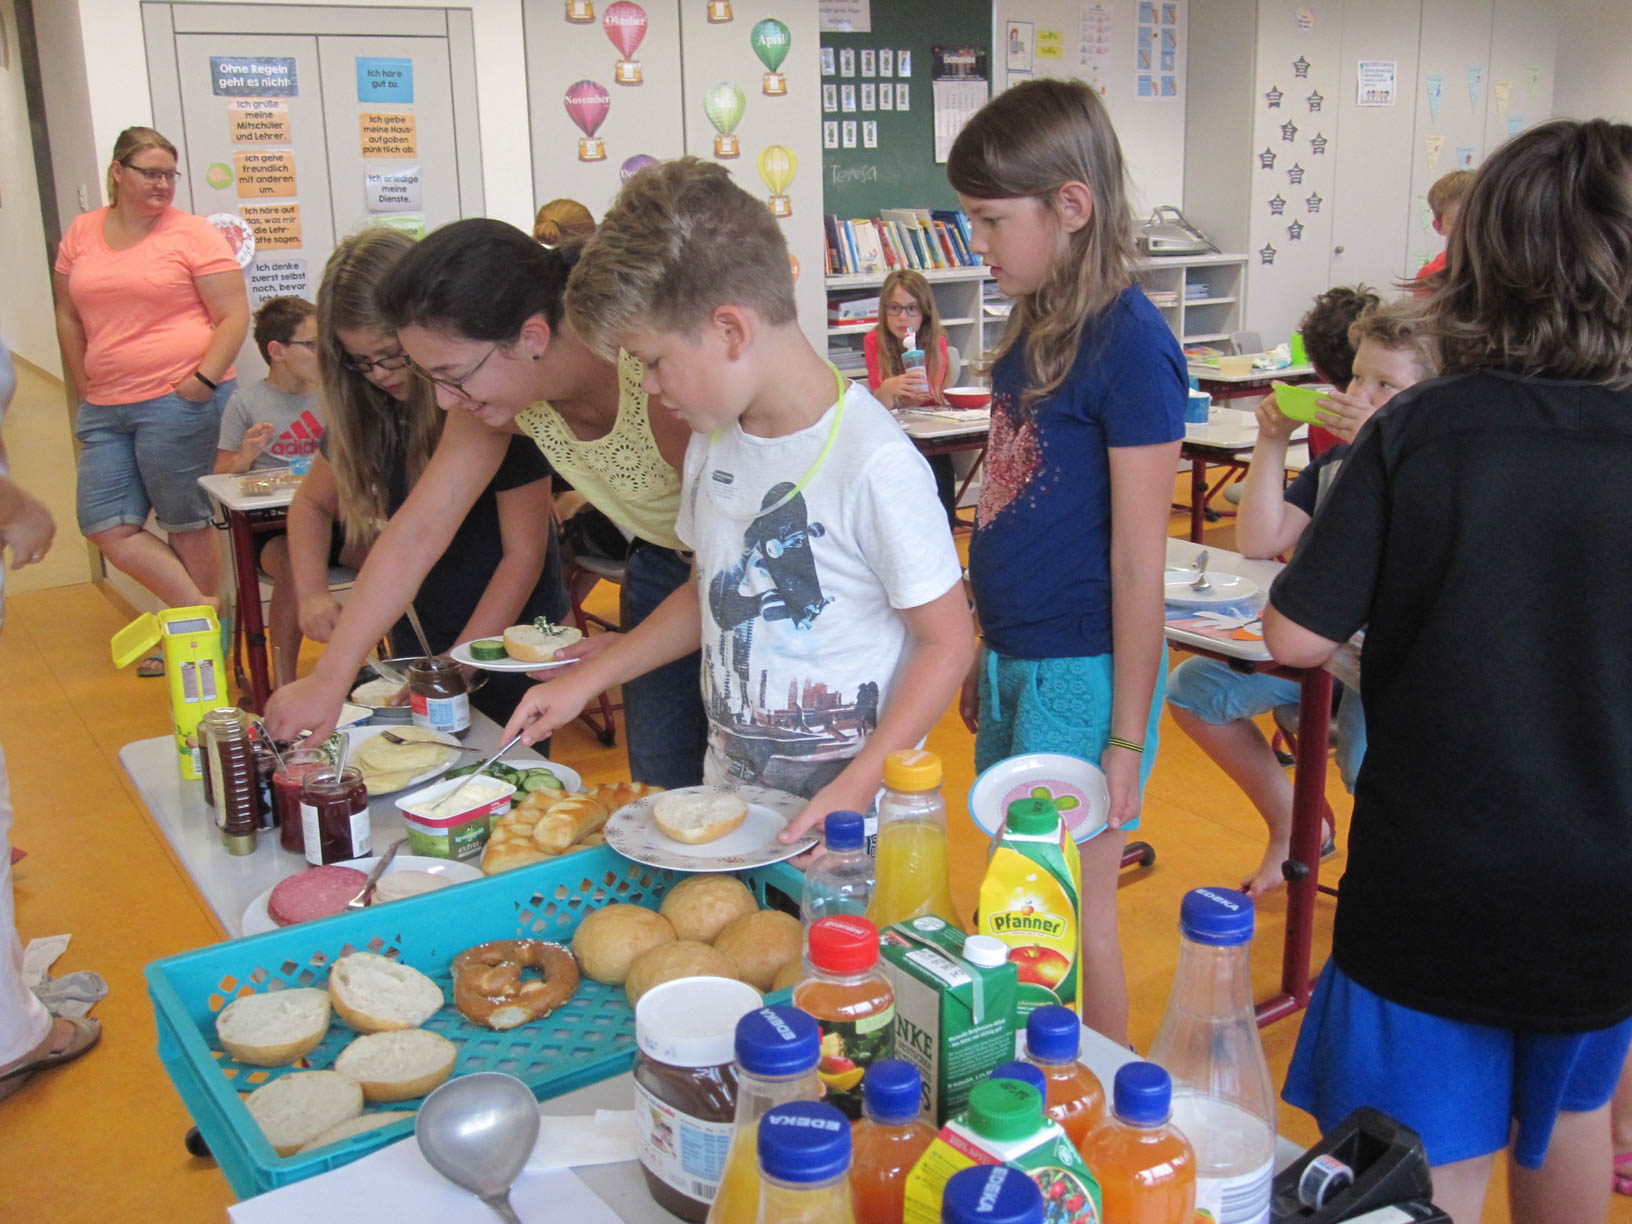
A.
pixel 891 1091
pixel 1025 1073
pixel 1219 917
pixel 1053 1034
pixel 778 1040
pixel 1143 1094
pixel 991 1194
pixel 844 830
pixel 804 1142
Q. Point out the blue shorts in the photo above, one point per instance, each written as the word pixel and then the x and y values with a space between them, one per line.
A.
pixel 1461 1086
pixel 147 456
pixel 1055 705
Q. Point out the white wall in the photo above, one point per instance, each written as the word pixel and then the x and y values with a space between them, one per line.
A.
pixel 25 317
pixel 1594 37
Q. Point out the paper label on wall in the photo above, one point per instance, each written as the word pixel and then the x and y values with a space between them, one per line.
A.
pixel 394 190
pixel 1094 47
pixel 830 133
pixel 849 133
pixel 869 134
pixel 903 96
pixel 264 173
pixel 1435 85
pixel 955 102
pixel 1500 92
pixel 259 121
pixel 1050 44
pixel 1018 44
pixel 1476 81
pixel 254 76
pixel 1432 143
pixel 284 276
pixel 276 226
pixel 389 134
pixel 1464 157
pixel 412 224
pixel 854 16
pixel 1532 80
pixel 869 96
pixel 1377 83
pixel 385 79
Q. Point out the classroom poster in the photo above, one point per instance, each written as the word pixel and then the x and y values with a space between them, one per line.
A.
pixel 386 80
pixel 1018 46
pixel 276 226
pixel 388 134
pixel 282 276
pixel 393 190
pixel 264 172
pixel 258 121
pixel 1094 48
pixel 254 76
pixel 845 16
pixel 1156 62
pixel 1377 83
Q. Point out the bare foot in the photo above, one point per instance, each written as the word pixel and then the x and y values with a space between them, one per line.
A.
pixel 57 1039
pixel 1268 877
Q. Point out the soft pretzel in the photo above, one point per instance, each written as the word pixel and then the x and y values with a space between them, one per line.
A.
pixel 488 987
pixel 616 795
pixel 511 844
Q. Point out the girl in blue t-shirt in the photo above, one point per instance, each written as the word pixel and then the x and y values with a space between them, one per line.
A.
pixel 1070 535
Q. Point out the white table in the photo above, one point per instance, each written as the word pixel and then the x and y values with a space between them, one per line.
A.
pixel 1227 386
pixel 1219 440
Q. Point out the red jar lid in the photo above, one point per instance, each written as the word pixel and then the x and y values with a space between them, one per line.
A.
pixel 846 944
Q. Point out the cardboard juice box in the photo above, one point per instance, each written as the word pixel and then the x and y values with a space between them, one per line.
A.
pixel 954 1019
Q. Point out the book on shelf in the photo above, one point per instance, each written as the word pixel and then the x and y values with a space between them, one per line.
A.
pixel 916 238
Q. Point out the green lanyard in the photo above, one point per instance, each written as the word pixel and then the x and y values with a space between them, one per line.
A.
pixel 821 456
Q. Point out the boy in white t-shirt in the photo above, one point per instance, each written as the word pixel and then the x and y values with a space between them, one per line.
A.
pixel 827 592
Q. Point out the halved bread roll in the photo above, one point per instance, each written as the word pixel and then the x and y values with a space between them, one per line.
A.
pixel 694 818
pixel 275 1028
pixel 537 644
pixel 294 1109
pixel 356 1126
pixel 398 1066
pixel 374 994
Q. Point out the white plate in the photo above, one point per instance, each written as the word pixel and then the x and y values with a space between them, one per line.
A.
pixel 352 714
pixel 257 921
pixel 461 654
pixel 361 735
pixel 633 833
pixel 1077 788
pixel 1223 589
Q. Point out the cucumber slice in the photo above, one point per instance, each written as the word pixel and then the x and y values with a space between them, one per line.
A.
pixel 540 779
pixel 488 650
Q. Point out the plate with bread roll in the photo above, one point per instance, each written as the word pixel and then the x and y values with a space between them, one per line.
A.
pixel 707 828
pixel 523 648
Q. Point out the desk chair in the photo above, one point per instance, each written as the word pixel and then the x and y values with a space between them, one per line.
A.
pixel 1246 342
pixel 1286 737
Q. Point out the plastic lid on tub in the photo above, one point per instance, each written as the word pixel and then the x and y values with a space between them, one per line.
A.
pixel 1005 1109
pixel 1033 816
pixel 985 951
pixel 891 1090
pixel 692 1022
pixel 992 1194
pixel 1219 917
pixel 845 944
pixel 1024 1072
pixel 1143 1094
pixel 777 1040
pixel 844 830
pixel 804 1142
pixel 912 769
pixel 1053 1034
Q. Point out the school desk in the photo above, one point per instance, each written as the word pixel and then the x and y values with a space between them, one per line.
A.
pixel 1253 383
pixel 947 432
pixel 1225 439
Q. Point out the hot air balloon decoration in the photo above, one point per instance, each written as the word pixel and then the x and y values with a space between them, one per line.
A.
pixel 719 11
pixel 777 165
pixel 580 12
pixel 723 104
pixel 587 106
pixel 625 25
pixel 770 40
pixel 634 165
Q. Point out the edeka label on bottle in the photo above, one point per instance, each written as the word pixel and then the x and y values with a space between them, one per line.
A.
pixel 1237 1200
pixel 849 1047
pixel 686 1154
pixel 449 714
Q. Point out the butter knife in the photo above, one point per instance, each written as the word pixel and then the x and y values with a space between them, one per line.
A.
pixel 364 898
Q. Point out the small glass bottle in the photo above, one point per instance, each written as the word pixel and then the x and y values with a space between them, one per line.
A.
pixel 889 1139
pixel 334 816
pixel 230 760
pixel 804 1157
pixel 841 881
pixel 911 875
pixel 1145 1166
pixel 439 695
pixel 1075 1097
pixel 852 1000
pixel 777 1051
pixel 298 765
pixel 992 1194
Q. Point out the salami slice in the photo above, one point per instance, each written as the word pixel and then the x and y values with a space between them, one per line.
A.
pixel 317 892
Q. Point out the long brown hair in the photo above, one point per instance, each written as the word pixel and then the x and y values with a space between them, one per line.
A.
pixel 371 433
pixel 1030 141
pixel 1539 260
pixel 131 142
pixel 561 221
pixel 929 325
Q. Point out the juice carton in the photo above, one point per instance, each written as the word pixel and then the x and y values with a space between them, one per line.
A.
pixel 954 1008
pixel 1005 1125
pixel 1029 900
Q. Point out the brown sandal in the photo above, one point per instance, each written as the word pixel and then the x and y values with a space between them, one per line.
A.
pixel 87 1033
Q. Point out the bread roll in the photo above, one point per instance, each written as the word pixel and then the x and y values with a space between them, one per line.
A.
pixel 700 905
pixel 789 975
pixel 511 845
pixel 376 995
pixel 669 961
pixel 360 1125
pixel 698 818
pixel 536 644
pixel 294 1109
pixel 615 795
pixel 275 1028
pixel 609 940
pixel 398 1066
pixel 761 944
pixel 566 821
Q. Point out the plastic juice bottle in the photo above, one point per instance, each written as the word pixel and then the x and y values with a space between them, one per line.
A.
pixel 1075 1097
pixel 1029 900
pixel 841 881
pixel 777 1049
pixel 992 1194
pixel 888 1140
pixel 851 999
pixel 1145 1166
pixel 1026 1074
pixel 1223 1097
pixel 804 1157
pixel 911 871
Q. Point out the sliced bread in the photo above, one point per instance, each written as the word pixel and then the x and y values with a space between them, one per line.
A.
pixel 275 1028
pixel 357 1126
pixel 374 994
pixel 294 1109
pixel 398 1066
pixel 538 642
pixel 696 818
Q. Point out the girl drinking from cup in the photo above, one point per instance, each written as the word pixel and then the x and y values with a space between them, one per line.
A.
pixel 908 320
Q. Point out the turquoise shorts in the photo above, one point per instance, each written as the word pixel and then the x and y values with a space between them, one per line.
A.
pixel 1055 705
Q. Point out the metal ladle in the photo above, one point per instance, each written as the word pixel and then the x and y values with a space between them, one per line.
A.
pixel 478 1131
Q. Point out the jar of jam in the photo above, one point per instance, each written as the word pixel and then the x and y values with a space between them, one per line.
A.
pixel 334 816
pixel 298 765
pixel 439 695
pixel 230 762
pixel 266 764
pixel 686 1087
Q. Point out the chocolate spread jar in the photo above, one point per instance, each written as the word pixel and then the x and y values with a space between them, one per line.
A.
pixel 439 695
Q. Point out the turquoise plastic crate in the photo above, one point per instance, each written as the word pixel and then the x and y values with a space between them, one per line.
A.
pixel 589 1039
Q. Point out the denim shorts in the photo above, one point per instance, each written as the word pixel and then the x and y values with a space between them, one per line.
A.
pixel 1461 1086
pixel 1055 705
pixel 663 714
pixel 147 456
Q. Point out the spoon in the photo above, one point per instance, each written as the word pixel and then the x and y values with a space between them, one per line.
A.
pixel 478 1131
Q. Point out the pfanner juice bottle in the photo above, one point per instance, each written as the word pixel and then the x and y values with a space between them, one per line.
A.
pixel 1030 900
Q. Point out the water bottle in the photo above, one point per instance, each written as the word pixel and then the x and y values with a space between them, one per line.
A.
pixel 1223 1098
pixel 841 881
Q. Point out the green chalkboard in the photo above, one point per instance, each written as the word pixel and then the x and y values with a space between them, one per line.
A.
pixel 902 171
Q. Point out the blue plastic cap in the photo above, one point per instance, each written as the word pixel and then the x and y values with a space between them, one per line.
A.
pixel 804 1142
pixel 1053 1034
pixel 778 1040
pixel 1219 917
pixel 1143 1095
pixel 1025 1073
pixel 991 1194
pixel 844 830
pixel 891 1091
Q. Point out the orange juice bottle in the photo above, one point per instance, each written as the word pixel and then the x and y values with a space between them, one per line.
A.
pixel 910 879
pixel 1075 1097
pixel 888 1140
pixel 1145 1166
pixel 853 1002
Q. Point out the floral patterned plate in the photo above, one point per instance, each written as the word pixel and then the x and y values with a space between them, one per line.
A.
pixel 1076 787
pixel 633 833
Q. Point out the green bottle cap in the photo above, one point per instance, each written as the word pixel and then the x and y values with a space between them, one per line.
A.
pixel 1033 816
pixel 1004 1110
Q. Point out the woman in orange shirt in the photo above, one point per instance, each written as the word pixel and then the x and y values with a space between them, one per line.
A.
pixel 151 311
